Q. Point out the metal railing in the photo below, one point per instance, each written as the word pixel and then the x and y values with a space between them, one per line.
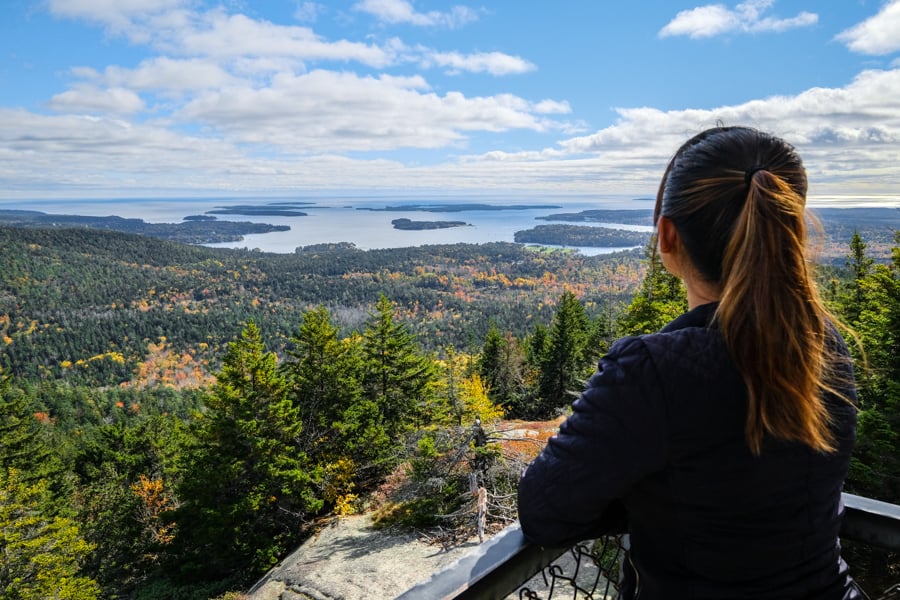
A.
pixel 508 566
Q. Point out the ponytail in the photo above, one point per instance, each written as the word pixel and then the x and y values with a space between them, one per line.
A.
pixel 737 198
pixel 772 319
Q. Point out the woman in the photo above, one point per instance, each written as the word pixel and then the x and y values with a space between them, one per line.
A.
pixel 720 443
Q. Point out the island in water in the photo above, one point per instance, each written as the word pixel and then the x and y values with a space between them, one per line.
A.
pixel 640 216
pixel 272 209
pixel 191 231
pixel 460 207
pixel 410 225
pixel 582 235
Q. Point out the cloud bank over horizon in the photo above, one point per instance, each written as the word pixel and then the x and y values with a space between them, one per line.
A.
pixel 384 95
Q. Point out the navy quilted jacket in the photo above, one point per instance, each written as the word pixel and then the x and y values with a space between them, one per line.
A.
pixel 656 445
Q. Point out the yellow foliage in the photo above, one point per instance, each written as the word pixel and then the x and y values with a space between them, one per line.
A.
pixel 338 484
pixel 476 403
pixel 344 504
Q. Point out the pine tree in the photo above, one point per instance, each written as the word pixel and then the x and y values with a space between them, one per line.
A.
pixel 41 553
pixel 399 379
pixel 26 445
pixel 324 380
pixel 246 482
pixel 860 266
pixel 341 430
pixel 660 299
pixel 564 366
pixel 502 366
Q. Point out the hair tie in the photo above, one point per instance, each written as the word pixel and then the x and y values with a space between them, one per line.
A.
pixel 749 173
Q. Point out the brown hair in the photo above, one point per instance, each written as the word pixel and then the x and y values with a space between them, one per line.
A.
pixel 737 198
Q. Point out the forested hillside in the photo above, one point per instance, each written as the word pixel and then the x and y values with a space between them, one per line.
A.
pixel 175 419
pixel 97 307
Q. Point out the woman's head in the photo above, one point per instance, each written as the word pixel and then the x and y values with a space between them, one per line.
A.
pixel 736 197
pixel 708 183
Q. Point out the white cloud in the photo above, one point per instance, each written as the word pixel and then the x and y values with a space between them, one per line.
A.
pixel 495 63
pixel 117 15
pixel 328 111
pixel 876 35
pixel 849 134
pixel 92 100
pixel 227 36
pixel 401 11
pixel 169 75
pixel 747 17
pixel 549 107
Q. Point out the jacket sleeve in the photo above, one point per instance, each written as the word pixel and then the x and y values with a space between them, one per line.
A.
pixel 615 435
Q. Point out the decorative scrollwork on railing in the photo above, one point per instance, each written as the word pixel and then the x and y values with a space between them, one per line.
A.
pixel 589 570
pixel 892 593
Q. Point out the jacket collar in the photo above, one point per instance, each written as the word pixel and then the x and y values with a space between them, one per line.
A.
pixel 701 316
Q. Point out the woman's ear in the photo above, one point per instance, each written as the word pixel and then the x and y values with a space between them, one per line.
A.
pixel 669 244
pixel 667 236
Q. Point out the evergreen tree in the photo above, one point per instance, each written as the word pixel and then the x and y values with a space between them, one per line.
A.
pixel 246 485
pixel 860 267
pixel 41 554
pixel 399 379
pixel 27 445
pixel 563 366
pixel 342 433
pixel 660 299
pixel 490 359
pixel 324 381
pixel 502 366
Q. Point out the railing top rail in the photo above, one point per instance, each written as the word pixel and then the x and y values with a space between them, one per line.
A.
pixel 871 521
pixel 503 563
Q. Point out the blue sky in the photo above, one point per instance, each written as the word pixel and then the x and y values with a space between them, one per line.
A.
pixel 138 98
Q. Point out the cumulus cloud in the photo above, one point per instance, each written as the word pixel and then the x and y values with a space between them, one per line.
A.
pixel 267 112
pixel 120 16
pixel 851 133
pixel 92 100
pixel 329 111
pixel 169 75
pixel 495 63
pixel 747 17
pixel 848 136
pixel 879 34
pixel 401 11
pixel 226 36
pixel 249 81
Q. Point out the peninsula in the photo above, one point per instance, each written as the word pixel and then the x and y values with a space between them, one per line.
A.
pixel 190 231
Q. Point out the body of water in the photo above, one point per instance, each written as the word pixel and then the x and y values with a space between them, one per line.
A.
pixel 352 219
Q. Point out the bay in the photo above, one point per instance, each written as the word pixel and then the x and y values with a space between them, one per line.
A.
pixel 359 220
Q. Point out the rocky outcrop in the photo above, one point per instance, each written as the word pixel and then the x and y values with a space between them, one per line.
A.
pixel 350 560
